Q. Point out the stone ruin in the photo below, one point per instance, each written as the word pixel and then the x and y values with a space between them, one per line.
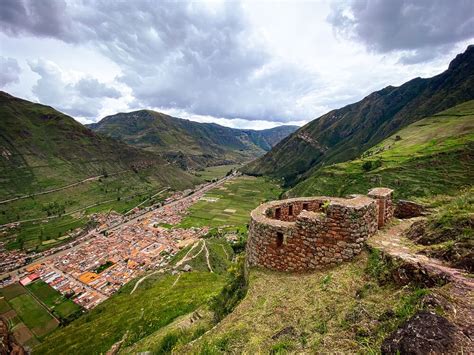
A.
pixel 309 233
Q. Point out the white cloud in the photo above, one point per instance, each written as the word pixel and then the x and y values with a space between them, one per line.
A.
pixel 9 71
pixel 237 63
pixel 82 98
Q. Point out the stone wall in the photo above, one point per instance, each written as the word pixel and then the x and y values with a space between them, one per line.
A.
pixel 408 209
pixel 309 233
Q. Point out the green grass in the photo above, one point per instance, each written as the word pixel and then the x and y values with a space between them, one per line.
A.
pixel 242 194
pixel 215 172
pixel 448 234
pixel 154 305
pixel 57 303
pixel 430 157
pixel 12 291
pixel 4 306
pixel 344 309
pixel 33 315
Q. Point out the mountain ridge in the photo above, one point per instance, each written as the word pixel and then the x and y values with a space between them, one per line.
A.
pixel 342 134
pixel 189 144
pixel 42 147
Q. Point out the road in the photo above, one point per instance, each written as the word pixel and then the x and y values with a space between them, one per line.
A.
pixel 16 272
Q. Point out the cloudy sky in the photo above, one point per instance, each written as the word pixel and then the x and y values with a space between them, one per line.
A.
pixel 246 64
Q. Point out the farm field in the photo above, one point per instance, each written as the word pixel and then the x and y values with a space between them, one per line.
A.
pixel 231 203
pixel 28 319
pixel 60 306
pixel 215 172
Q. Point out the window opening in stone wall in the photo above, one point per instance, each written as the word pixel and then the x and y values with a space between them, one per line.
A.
pixel 278 213
pixel 290 210
pixel 306 206
pixel 279 239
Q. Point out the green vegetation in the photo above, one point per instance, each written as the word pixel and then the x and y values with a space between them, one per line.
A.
pixel 191 145
pixel 215 172
pixel 448 234
pixel 343 134
pixel 33 312
pixel 347 309
pixel 103 266
pixel 430 157
pixel 231 203
pixel 232 293
pixel 33 315
pixel 155 304
pixel 52 150
pixel 59 305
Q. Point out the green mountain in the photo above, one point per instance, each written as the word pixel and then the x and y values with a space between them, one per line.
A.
pixel 432 156
pixel 345 133
pixel 189 144
pixel 41 148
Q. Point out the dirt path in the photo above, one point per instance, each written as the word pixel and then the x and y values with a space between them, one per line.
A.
pixel 144 278
pixel 176 281
pixel 185 257
pixel 458 293
pixel 207 257
pixel 392 241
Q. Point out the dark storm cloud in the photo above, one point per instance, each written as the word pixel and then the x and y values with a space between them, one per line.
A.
pixel 46 18
pixel 177 54
pixel 421 27
pixel 9 71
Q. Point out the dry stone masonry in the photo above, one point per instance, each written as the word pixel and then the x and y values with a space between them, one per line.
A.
pixel 308 233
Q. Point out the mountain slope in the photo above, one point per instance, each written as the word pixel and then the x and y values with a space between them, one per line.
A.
pixel 345 133
pixel 190 144
pixel 41 148
pixel 432 156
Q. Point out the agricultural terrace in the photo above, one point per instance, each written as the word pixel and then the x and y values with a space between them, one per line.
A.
pixel 71 206
pixel 231 203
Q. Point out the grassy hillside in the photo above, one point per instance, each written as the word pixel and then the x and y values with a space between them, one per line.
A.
pixel 161 299
pixel 190 144
pixel 345 133
pixel 347 309
pixel 42 149
pixel 448 233
pixel 432 156
pixel 153 305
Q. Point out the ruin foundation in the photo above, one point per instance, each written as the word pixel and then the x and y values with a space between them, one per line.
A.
pixel 309 233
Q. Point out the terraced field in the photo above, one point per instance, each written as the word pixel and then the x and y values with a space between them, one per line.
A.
pixel 429 157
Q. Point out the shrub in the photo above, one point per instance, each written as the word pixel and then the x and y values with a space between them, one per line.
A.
pixel 232 293
pixel 369 165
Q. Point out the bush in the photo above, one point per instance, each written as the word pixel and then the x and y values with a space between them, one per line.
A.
pixel 232 293
pixel 167 343
pixel 369 165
